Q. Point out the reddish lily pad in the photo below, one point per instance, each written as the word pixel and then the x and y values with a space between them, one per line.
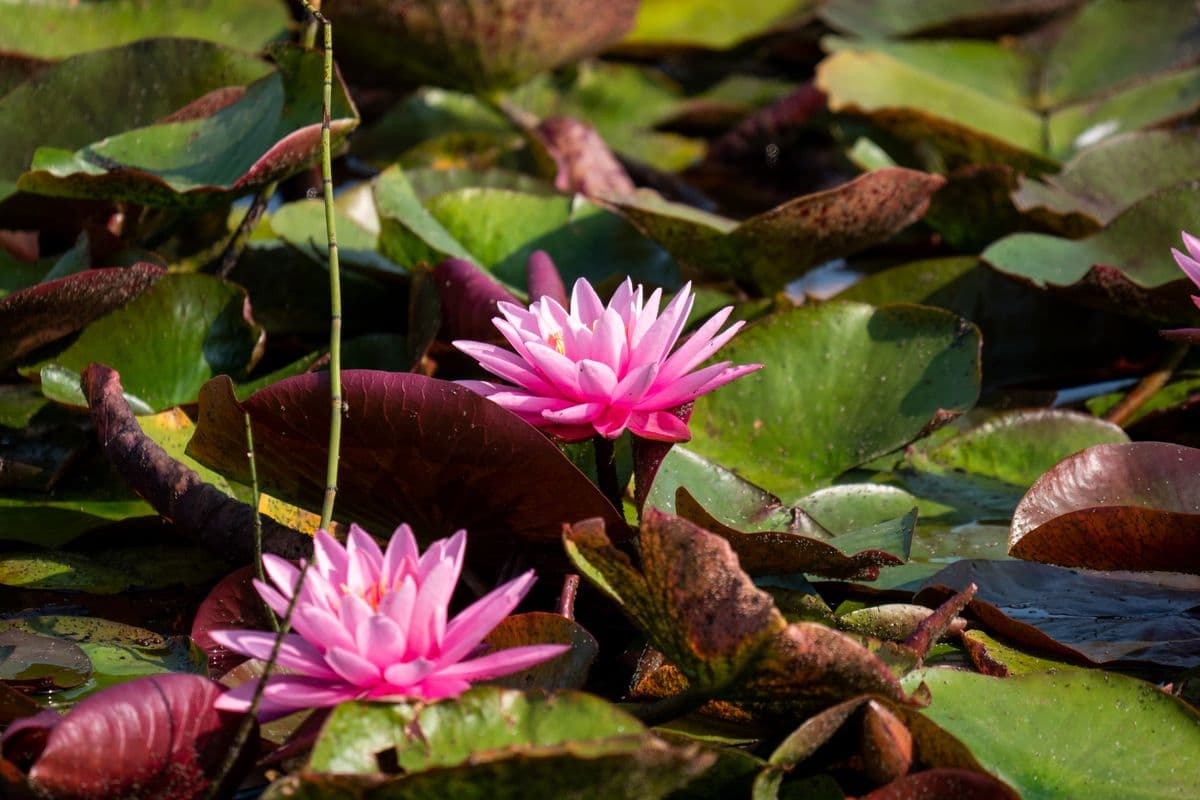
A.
pixel 1129 506
pixel 30 661
pixel 232 604
pixel 414 449
pixel 566 671
pixel 155 737
pixel 781 244
pixel 41 314
pixel 477 45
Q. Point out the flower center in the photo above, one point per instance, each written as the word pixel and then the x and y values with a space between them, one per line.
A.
pixel 373 594
pixel 555 340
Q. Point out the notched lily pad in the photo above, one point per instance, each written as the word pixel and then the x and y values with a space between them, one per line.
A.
pixel 776 246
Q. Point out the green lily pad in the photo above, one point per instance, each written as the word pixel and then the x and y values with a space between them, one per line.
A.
pixel 731 499
pixel 1014 729
pixel 110 571
pixel 1102 181
pixel 845 383
pixel 1031 105
pixel 302 225
pixel 896 18
pixel 500 228
pixel 779 245
pixel 713 24
pixel 60 28
pixel 126 88
pixel 233 143
pixel 1116 267
pixel 117 652
pixel 492 743
pixel 169 340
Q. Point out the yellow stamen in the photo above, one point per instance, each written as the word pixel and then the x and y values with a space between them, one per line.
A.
pixel 555 340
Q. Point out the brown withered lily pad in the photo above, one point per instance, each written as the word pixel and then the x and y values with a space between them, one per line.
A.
pixel 1129 506
pixel 776 246
pixel 785 552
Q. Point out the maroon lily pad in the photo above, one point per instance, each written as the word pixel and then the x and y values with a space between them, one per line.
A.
pixel 962 784
pixel 157 736
pixel 413 449
pixel 468 298
pixel 41 314
pixel 232 603
pixel 1129 506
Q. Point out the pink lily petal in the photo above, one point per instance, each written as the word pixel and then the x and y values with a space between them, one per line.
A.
pixel 466 631
pixel 352 667
pixel 295 653
pixel 585 303
pixel 1192 244
pixel 660 426
pixel 503 662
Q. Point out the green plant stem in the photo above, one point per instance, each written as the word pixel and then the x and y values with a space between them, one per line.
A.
pixel 255 497
pixel 606 470
pixel 336 407
pixel 309 37
pixel 1139 395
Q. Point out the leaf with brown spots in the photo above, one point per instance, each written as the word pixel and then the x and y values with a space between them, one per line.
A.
pixel 779 245
pixel 690 597
pixel 783 552
pixel 1129 506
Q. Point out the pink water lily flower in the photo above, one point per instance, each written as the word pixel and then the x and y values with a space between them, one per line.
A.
pixel 371 625
pixel 600 369
pixel 1190 264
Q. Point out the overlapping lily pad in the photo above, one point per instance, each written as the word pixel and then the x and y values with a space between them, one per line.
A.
pixel 846 383
pixel 774 247
pixel 169 341
pixel 492 743
pixel 414 449
pixel 1113 268
pixel 887 18
pixel 1028 105
pixel 220 144
pixel 500 228
pixel 712 23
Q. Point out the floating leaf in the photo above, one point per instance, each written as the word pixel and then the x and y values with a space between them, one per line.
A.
pixel 1102 181
pixel 781 244
pixel 896 18
pixel 1114 506
pixel 37 662
pixel 56 30
pixel 728 497
pixel 944 782
pixel 845 383
pixel 397 458
pixel 233 604
pixel 268 132
pixel 1114 267
pixel 109 571
pixel 712 23
pixel 492 742
pixel 1014 728
pixel 170 339
pixel 477 45
pixel 1078 616
pixel 41 314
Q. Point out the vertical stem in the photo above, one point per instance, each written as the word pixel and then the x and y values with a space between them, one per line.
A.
pixel 336 409
pixel 255 497
pixel 606 470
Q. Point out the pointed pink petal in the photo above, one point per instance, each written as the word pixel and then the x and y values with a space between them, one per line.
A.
pixel 295 653
pixel 352 610
pixel 1188 265
pixel 586 305
pixel 660 426
pixel 623 300
pixel 557 369
pixel 574 415
pixel 658 341
pixel 633 387
pixel 277 602
pixel 329 558
pixel 691 386
pixel 505 364
pixel 321 628
pixel 612 422
pixel 610 342
pixel 398 606
pixel 466 631
pixel 645 318
pixel 282 572
pixel 401 556
pixel 428 625
pixel 381 641
pixel 1192 244
pixel 699 347
pixel 493 665
pixel 360 541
